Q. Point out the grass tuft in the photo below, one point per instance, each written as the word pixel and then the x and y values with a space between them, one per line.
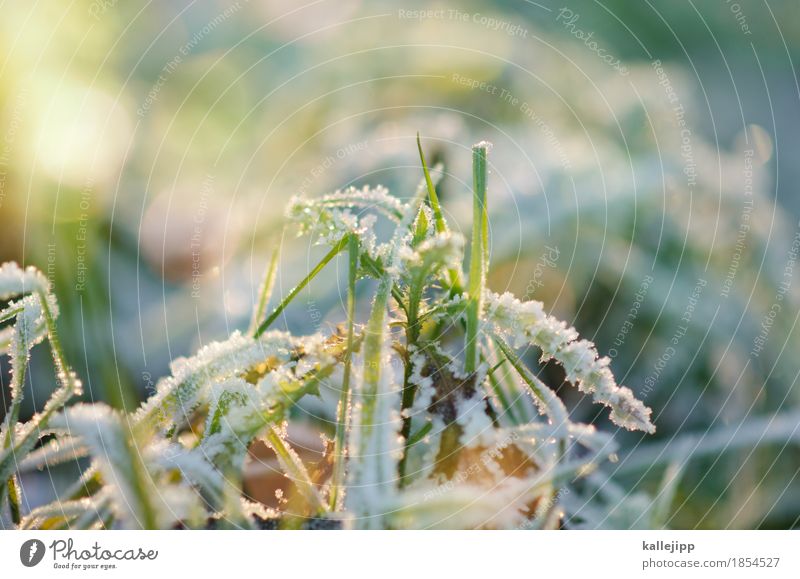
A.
pixel 437 421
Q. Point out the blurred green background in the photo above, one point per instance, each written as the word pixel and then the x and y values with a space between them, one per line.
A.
pixel 644 185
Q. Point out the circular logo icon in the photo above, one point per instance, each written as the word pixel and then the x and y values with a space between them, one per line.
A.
pixel 31 553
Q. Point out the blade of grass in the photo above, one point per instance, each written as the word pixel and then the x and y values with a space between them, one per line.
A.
pixel 14 501
pixel 433 198
pixel 265 291
pixel 555 409
pixel 780 428
pixel 9 313
pixel 497 388
pixel 298 288
pixel 117 451
pixel 375 270
pixel 64 373
pixel 70 386
pixel 666 493
pixel 343 411
pixel 20 352
pixel 478 254
pixel 294 468
pixel 507 389
pixel 88 485
pixel 61 514
pixel 409 389
pixel 419 435
pixel 54 452
pixel 439 222
pixel 552 404
pixel 374 337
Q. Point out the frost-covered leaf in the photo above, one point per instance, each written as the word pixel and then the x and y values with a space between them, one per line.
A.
pixel 29 329
pixel 375 444
pixel 180 394
pixel 293 467
pixel 56 451
pixel 192 464
pixel 367 198
pixel 330 219
pixel 434 256
pixel 462 506
pixel 15 281
pixel 76 514
pixel 25 436
pixel 236 416
pixel 114 448
pixel 525 323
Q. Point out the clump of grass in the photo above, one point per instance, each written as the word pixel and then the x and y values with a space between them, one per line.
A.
pixel 440 422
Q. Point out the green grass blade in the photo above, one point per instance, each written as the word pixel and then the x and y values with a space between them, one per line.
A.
pixel 377 272
pixel 546 398
pixel 64 373
pixel 14 500
pixel 439 222
pixel 294 468
pixel 9 313
pixel 265 291
pixel 369 429
pixel 478 254
pixel 497 389
pixel 19 352
pixel 117 451
pixel 299 287
pixel 343 411
pixel 24 441
pixel 662 503
pixel 433 198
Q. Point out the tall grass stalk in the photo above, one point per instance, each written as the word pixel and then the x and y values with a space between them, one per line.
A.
pixel 479 254
pixel 343 411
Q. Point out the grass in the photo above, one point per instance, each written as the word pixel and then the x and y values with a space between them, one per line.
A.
pixel 438 421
